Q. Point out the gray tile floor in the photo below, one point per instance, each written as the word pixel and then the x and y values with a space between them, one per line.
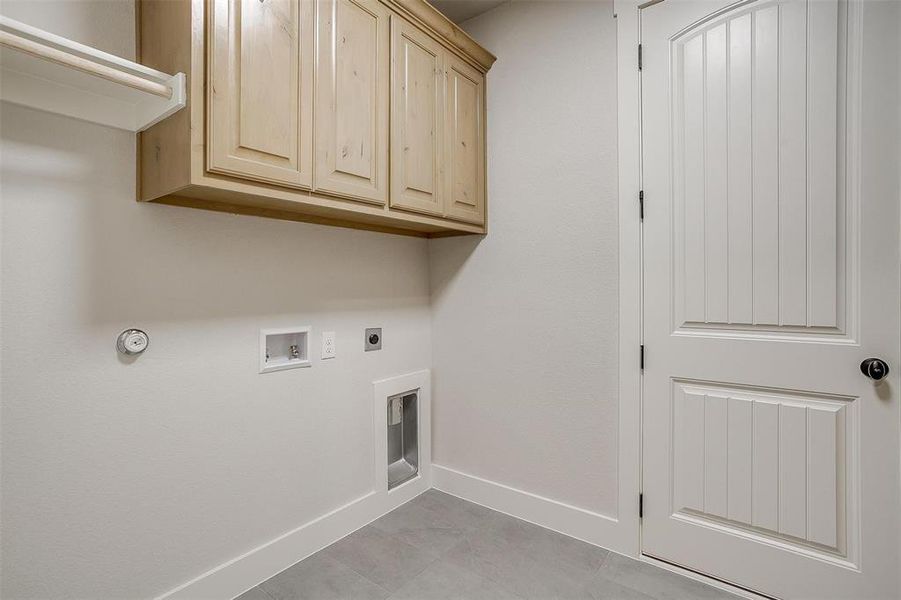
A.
pixel 438 546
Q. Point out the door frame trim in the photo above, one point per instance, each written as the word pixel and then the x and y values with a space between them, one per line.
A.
pixel 630 300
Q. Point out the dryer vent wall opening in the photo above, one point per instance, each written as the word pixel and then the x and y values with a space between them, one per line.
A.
pixel 403 438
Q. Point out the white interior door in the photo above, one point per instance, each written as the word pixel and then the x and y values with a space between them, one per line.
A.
pixel 771 271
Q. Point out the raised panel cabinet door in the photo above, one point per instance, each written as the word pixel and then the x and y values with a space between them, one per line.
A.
pixel 417 120
pixel 465 142
pixel 352 76
pixel 260 90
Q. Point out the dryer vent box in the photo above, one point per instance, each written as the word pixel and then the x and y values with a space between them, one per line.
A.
pixel 403 438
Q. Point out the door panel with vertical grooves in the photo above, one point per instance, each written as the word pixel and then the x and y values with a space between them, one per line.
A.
pixel 760 217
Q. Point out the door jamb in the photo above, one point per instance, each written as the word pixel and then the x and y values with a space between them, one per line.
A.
pixel 629 184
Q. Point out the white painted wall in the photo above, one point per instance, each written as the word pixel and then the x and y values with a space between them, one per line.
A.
pixel 524 321
pixel 125 479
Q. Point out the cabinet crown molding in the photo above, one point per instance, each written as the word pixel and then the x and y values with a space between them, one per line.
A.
pixel 431 18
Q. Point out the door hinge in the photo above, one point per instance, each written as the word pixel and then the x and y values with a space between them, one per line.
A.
pixel 641 358
pixel 639 57
pixel 641 205
pixel 640 506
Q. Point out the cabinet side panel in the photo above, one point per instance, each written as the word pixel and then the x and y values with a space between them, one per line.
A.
pixel 164 33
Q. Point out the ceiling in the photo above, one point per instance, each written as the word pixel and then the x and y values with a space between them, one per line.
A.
pixel 461 10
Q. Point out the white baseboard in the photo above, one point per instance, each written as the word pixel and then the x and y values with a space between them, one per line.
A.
pixel 233 578
pixel 238 575
pixel 592 527
pixel 242 573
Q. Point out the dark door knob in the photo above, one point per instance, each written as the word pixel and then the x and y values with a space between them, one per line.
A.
pixel 874 368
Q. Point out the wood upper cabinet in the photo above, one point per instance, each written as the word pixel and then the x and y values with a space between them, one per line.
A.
pixel 464 135
pixel 438 129
pixel 352 76
pixel 260 90
pixel 359 113
pixel 417 120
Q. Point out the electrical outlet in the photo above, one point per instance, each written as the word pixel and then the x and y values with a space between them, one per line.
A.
pixel 372 339
pixel 328 344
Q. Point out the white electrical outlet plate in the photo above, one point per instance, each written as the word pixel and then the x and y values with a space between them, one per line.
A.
pixel 328 344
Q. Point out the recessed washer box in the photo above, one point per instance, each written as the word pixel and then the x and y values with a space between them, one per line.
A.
pixel 284 348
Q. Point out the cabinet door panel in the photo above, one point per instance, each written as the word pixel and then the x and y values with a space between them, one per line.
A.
pixel 352 107
pixel 465 139
pixel 417 120
pixel 260 90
